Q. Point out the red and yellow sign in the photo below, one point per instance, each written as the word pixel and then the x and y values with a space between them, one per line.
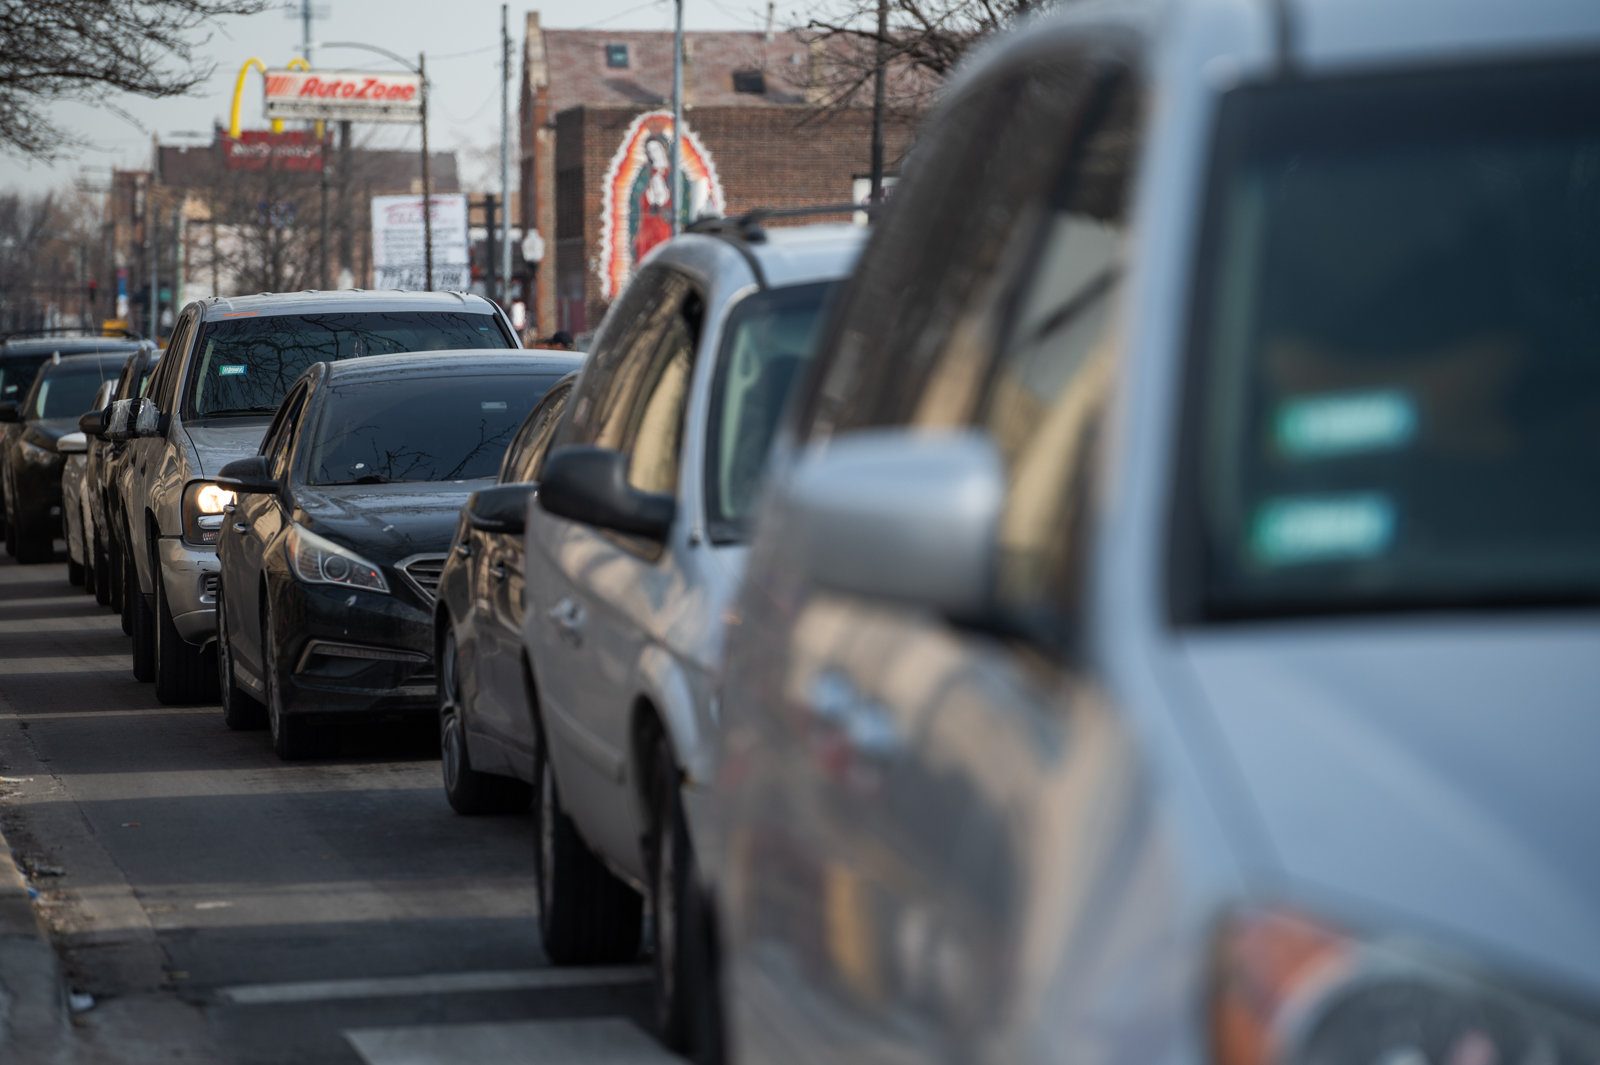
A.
pixel 328 95
pixel 637 200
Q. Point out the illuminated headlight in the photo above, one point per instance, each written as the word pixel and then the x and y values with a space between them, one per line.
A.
pixel 203 507
pixel 318 561
pixel 1292 992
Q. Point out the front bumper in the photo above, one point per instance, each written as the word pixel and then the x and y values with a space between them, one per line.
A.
pixel 349 651
pixel 190 575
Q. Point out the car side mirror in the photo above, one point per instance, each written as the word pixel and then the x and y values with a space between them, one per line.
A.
pixel 93 423
pixel 893 514
pixel 501 509
pixel 148 419
pixel 10 412
pixel 590 484
pixel 251 476
pixel 72 444
pixel 119 420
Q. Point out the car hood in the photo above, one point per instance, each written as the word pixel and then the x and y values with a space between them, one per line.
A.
pixel 386 522
pixel 217 445
pixel 1439 777
pixel 44 432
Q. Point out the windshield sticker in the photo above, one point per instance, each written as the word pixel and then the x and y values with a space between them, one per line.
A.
pixel 1350 423
pixel 230 371
pixel 499 404
pixel 1302 529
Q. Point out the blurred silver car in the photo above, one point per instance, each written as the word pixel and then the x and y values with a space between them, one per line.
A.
pixel 634 549
pixel 1171 634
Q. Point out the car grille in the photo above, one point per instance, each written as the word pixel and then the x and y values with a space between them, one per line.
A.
pixel 422 573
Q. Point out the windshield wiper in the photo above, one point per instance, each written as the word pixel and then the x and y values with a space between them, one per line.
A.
pixel 240 410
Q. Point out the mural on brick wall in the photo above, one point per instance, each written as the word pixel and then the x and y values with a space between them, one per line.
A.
pixel 636 203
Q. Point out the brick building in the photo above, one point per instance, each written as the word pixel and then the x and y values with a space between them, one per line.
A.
pixel 595 120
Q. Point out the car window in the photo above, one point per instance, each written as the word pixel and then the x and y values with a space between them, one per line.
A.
pixel 420 428
pixel 654 435
pixel 68 391
pixel 15 377
pixel 1396 383
pixel 526 459
pixel 245 365
pixel 280 434
pixel 612 375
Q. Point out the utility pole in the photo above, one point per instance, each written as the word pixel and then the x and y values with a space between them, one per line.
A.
pixel 427 181
pixel 492 266
pixel 323 149
pixel 677 112
pixel 178 227
pixel 505 159
pixel 879 95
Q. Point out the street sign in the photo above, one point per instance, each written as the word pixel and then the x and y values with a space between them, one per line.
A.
pixel 398 255
pixel 258 149
pixel 338 95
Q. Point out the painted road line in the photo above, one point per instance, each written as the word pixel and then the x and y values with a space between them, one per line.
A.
pixel 431 984
pixel 599 1041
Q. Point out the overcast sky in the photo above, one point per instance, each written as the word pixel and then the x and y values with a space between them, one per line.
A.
pixel 461 38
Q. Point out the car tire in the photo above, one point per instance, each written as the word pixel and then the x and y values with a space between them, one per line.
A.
pixel 11 528
pixel 103 577
pixel 687 1006
pixel 89 573
pixel 241 712
pixel 76 575
pixel 469 792
pixel 34 545
pixel 586 915
pixel 141 625
pixel 184 672
pixel 293 737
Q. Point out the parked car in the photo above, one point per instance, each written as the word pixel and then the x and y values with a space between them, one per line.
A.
pixel 75 491
pixel 484 723
pixel 30 463
pixel 20 359
pixel 331 556
pixel 227 367
pixel 633 552
pixel 1170 633
pixel 108 454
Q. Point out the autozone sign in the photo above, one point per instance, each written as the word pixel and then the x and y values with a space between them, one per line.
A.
pixel 335 95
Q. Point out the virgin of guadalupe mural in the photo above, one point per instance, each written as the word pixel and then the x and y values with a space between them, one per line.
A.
pixel 637 199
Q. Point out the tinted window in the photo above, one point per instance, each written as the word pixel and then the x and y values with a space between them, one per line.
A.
pixel 1399 339
pixel 68 392
pixel 527 462
pixel 420 428
pixel 245 365
pixel 15 377
pixel 769 336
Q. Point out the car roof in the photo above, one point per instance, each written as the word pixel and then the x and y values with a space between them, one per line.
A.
pixel 115 360
pixel 311 302
pixel 46 346
pixel 476 360
pixel 786 255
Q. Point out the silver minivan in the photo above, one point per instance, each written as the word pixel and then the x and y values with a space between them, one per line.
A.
pixel 1171 634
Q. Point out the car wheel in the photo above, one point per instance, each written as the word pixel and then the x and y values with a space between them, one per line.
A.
pixel 687 1005
pixel 34 542
pixel 469 791
pixel 240 710
pixel 141 625
pixel 183 672
pixel 76 575
pixel 11 528
pixel 293 737
pixel 586 915
pixel 104 579
pixel 88 572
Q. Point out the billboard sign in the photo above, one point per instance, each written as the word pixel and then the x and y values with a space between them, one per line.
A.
pixel 398 256
pixel 338 95
pixel 259 149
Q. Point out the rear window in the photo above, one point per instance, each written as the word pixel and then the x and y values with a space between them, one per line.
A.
pixel 15 377
pixel 68 392
pixel 246 365
pixel 1397 396
pixel 407 428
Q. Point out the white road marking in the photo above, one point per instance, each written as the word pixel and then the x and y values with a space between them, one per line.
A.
pixel 431 984
pixel 601 1041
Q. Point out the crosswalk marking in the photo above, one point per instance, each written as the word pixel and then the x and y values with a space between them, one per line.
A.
pixel 599 1041
pixel 431 984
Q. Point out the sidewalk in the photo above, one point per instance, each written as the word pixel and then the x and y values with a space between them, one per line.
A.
pixel 34 1027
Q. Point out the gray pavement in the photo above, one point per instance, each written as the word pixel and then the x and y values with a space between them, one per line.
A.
pixel 222 905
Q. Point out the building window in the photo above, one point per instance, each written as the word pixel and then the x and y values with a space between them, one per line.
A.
pixel 616 55
pixel 752 81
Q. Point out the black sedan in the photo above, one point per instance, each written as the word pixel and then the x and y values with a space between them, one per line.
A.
pixel 29 461
pixel 331 554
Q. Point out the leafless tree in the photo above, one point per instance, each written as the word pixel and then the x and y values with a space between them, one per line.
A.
pixel 91 50
pixel 48 245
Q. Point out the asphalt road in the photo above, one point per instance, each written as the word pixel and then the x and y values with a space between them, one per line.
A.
pixel 223 905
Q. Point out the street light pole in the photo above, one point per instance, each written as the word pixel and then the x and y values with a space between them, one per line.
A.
pixel 879 98
pixel 505 158
pixel 677 114
pixel 427 180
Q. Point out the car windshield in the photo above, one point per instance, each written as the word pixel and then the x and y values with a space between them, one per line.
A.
pixel 1398 402
pixel 69 391
pixel 246 365
pixel 768 338
pixel 424 428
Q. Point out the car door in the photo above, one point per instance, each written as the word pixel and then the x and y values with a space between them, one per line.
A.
pixel 924 785
pixel 577 575
pixel 501 706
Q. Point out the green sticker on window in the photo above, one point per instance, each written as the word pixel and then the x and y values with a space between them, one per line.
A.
pixel 1301 529
pixel 230 371
pixel 1349 423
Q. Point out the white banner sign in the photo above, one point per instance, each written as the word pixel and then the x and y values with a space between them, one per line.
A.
pixel 398 255
pixel 335 95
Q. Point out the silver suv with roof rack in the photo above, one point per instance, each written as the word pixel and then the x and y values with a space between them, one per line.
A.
pixel 227 368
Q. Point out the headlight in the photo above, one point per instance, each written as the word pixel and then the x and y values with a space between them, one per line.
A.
pixel 203 505
pixel 1292 992
pixel 318 561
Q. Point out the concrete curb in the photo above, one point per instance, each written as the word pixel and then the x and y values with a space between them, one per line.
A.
pixel 34 1023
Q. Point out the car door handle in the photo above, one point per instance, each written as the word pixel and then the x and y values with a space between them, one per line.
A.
pixel 229 508
pixel 240 526
pixel 568 617
pixel 499 571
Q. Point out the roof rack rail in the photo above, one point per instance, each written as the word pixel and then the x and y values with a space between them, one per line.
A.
pixel 73 332
pixel 747 226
